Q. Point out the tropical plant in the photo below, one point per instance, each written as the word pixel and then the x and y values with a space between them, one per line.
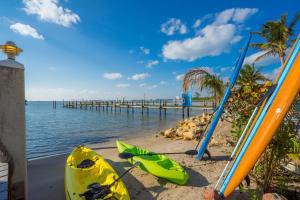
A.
pixel 268 172
pixel 204 80
pixel 284 147
pixel 251 85
pixel 213 82
pixel 278 37
pixel 250 76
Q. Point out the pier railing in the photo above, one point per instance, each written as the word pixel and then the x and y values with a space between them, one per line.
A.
pixel 144 105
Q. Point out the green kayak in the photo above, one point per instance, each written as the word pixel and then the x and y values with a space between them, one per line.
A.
pixel 156 164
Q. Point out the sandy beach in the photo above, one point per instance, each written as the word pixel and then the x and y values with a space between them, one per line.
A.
pixel 46 175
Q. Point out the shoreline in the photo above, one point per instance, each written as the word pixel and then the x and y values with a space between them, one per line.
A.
pixel 46 175
pixel 59 140
pixel 125 137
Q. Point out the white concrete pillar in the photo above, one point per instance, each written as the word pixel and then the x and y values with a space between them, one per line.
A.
pixel 12 121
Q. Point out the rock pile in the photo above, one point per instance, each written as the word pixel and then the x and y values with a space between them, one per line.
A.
pixel 188 129
pixel 193 128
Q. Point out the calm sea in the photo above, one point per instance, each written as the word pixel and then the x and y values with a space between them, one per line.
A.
pixel 54 131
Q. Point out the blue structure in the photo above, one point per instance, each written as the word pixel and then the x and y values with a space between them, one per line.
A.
pixel 187 99
pixel 219 112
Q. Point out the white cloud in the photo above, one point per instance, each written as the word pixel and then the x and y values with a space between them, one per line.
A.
pixel 143 84
pixel 213 40
pixel 180 77
pixel 137 77
pixel 237 15
pixel 122 85
pixel 163 83
pixel 241 14
pixel 26 30
pixel 224 17
pixel 112 76
pixel 173 26
pixel 50 11
pixel 228 68
pixel 197 23
pixel 140 62
pixel 151 87
pixel 6 20
pixel 151 63
pixel 144 50
pixel 262 62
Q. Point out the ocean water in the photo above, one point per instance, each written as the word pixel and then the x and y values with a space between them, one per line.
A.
pixel 54 131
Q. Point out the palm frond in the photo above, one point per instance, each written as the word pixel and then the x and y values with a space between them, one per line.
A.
pixel 294 21
pixel 268 53
pixel 193 77
pixel 262 46
pixel 283 19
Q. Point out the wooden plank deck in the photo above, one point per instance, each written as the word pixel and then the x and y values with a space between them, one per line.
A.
pixel 3 181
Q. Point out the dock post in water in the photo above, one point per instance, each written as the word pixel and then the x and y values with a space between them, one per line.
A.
pixel 12 125
pixel 54 104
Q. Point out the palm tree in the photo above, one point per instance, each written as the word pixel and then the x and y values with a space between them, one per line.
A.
pixel 277 36
pixel 204 80
pixel 213 82
pixel 193 77
pixel 249 76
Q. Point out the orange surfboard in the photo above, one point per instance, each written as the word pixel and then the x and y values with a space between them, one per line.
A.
pixel 266 123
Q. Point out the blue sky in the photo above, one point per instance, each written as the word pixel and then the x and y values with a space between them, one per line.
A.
pixel 90 49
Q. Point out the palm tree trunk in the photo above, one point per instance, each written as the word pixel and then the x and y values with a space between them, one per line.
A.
pixel 215 95
pixel 281 59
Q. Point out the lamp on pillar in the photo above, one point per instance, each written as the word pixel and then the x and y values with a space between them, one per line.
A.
pixel 11 50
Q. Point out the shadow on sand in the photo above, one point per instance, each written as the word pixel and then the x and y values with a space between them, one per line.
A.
pixel 216 158
pixel 196 179
pixel 138 191
pixel 207 161
pixel 239 195
pixel 135 188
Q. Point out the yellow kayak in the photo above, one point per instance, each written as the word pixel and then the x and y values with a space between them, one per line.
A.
pixel 88 176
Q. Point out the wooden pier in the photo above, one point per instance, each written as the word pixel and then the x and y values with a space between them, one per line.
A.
pixel 162 105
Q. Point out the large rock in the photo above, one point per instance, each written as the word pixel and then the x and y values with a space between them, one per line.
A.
pixel 188 135
pixel 179 132
pixel 170 133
